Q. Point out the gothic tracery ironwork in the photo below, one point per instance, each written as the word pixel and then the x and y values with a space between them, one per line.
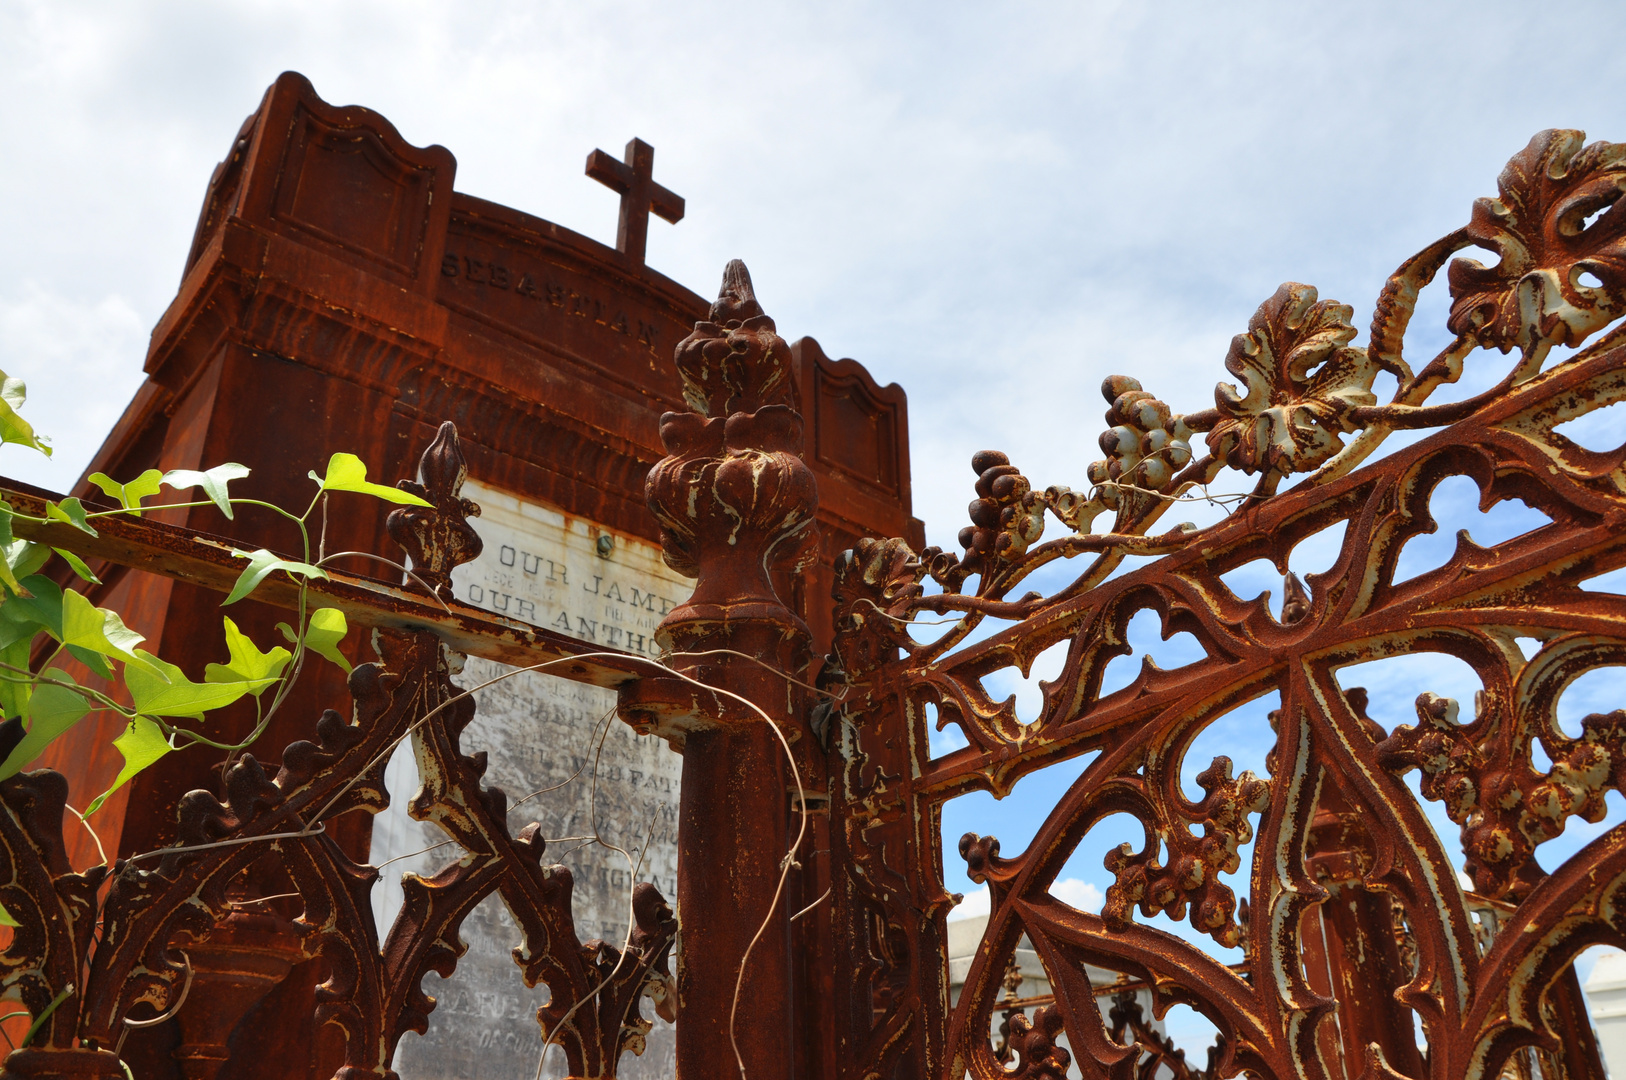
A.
pixel 99 957
pixel 1303 405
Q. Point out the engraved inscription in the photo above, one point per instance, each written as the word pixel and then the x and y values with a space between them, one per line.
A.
pixel 545 568
pixel 533 285
pixel 539 732
pixel 563 759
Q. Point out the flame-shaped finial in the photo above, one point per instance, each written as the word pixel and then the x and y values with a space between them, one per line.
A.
pixel 737 299
pixel 735 361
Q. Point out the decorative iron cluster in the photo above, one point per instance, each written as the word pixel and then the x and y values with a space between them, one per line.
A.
pixel 1354 907
pixel 733 485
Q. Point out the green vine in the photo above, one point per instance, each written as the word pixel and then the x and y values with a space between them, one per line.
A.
pixel 164 711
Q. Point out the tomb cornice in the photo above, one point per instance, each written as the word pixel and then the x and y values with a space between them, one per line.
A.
pixel 243 266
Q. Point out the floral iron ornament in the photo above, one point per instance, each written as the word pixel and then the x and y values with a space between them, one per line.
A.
pixel 1542 229
pixel 736 505
pixel 1302 383
pixel 1352 928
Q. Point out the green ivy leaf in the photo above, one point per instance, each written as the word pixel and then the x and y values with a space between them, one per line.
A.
pixel 327 628
pixel 142 743
pixel 40 609
pixel 15 690
pixel 262 563
pixel 94 661
pixel 26 557
pixel 77 565
pixel 345 472
pixel 6 540
pixel 159 688
pixel 213 482
pixel 70 510
pixel 89 632
pixel 52 710
pixel 13 428
pixel 99 630
pixel 14 695
pixel 248 663
pixel 129 495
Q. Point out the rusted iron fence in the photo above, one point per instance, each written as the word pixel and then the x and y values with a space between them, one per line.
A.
pixel 811 894
pixel 1355 931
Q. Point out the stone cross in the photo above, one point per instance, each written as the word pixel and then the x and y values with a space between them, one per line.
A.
pixel 634 181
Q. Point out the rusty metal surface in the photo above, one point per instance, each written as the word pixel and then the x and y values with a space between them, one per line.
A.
pixel 1342 850
pixel 154 909
pixel 634 180
pixel 340 295
pixel 551 351
pixel 736 504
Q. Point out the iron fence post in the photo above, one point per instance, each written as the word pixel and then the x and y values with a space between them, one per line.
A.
pixel 736 505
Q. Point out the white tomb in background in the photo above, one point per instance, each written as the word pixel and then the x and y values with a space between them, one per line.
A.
pixel 1606 1000
pixel 965 934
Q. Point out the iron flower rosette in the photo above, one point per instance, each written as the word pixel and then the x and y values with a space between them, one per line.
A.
pixel 733 497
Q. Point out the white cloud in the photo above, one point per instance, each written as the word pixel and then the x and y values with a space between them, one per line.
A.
pixel 81 359
pixel 995 212
pixel 974 904
pixel 1080 894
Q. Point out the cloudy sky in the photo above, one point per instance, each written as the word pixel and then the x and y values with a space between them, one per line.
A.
pixel 994 205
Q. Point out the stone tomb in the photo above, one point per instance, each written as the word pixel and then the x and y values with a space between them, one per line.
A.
pixel 342 295
pixel 548 568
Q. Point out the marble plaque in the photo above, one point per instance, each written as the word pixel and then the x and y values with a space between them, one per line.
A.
pixel 550 569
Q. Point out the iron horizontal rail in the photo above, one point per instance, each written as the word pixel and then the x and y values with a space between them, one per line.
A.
pixel 206 560
pixel 1425 606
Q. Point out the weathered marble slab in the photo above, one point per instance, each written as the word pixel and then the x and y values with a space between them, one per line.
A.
pixel 546 568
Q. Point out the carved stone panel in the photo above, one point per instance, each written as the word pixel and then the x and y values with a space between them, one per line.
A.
pixel 556 750
pixel 523 276
pixel 548 568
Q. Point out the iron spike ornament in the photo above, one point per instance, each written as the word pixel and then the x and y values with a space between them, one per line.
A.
pixel 736 505
pixel 438 540
pixel 733 496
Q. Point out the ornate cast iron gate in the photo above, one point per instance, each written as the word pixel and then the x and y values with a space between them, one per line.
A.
pixel 1338 838
pixel 810 886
